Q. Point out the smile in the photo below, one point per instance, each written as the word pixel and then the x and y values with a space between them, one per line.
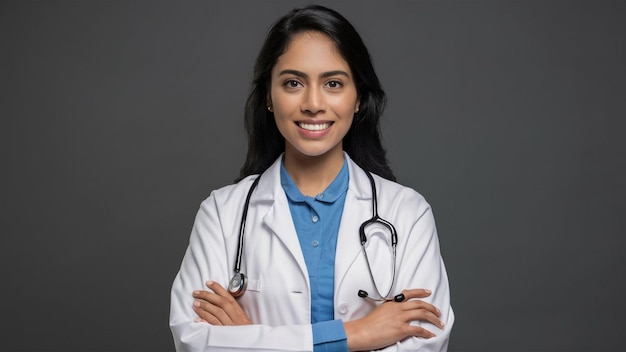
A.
pixel 314 126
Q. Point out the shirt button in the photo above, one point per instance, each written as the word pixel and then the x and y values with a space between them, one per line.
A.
pixel 315 218
pixel 343 308
pixel 315 243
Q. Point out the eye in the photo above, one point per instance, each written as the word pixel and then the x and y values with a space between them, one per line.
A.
pixel 292 83
pixel 334 84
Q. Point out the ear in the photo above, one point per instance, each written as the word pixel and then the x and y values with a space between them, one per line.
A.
pixel 268 102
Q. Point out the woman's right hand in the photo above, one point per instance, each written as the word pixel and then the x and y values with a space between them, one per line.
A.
pixel 390 322
pixel 218 307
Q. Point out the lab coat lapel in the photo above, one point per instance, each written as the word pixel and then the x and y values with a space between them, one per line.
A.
pixel 357 208
pixel 278 218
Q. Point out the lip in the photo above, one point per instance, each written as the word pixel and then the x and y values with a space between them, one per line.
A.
pixel 314 129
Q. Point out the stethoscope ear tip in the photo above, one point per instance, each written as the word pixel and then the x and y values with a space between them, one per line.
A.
pixel 399 297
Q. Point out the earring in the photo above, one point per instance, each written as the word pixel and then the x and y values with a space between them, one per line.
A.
pixel 269 108
pixel 357 110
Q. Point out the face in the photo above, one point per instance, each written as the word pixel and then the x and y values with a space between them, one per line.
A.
pixel 313 96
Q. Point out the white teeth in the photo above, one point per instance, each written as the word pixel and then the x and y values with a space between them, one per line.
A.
pixel 314 126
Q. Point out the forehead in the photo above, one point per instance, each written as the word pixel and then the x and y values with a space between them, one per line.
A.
pixel 311 52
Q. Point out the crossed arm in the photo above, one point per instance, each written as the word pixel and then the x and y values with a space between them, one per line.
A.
pixel 384 326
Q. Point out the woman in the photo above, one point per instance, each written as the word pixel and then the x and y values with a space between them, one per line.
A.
pixel 310 283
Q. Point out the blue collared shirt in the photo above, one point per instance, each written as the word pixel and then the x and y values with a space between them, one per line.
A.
pixel 317 220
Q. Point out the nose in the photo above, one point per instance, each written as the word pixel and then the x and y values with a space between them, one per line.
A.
pixel 313 101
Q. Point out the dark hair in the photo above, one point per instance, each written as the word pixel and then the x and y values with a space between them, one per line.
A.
pixel 362 142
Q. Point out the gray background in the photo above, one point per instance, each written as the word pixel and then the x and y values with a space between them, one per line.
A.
pixel 119 117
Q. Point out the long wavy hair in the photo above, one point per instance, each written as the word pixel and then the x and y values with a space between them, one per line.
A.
pixel 363 140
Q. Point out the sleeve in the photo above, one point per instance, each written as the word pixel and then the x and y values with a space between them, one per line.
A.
pixel 329 336
pixel 421 266
pixel 206 258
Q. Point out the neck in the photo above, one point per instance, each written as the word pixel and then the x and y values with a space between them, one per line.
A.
pixel 312 175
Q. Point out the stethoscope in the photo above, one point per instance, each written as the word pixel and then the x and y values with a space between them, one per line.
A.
pixel 238 283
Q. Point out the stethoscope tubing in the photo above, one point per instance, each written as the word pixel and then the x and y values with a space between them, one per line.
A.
pixel 238 283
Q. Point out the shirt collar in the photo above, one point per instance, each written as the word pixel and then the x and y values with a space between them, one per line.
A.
pixel 334 191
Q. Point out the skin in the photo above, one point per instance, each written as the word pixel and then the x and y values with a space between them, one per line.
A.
pixel 312 84
pixel 314 98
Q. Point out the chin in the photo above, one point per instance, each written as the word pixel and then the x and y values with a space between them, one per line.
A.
pixel 315 152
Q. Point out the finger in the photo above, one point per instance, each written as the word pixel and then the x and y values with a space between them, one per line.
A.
pixel 419 331
pixel 204 316
pixel 218 289
pixel 422 311
pixel 213 297
pixel 215 287
pixel 426 316
pixel 211 313
pixel 204 295
pixel 416 293
pixel 417 304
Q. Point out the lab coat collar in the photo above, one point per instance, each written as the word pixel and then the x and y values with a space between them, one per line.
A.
pixel 269 186
pixel 335 190
pixel 359 183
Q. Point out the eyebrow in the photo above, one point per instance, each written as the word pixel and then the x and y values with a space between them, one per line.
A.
pixel 322 75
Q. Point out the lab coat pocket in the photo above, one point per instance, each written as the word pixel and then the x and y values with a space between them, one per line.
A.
pixel 254 285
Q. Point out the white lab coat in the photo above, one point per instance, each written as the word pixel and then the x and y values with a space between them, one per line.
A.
pixel 278 300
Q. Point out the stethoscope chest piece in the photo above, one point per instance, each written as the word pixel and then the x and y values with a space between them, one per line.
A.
pixel 237 285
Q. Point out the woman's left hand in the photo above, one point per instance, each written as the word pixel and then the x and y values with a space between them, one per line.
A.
pixel 218 307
